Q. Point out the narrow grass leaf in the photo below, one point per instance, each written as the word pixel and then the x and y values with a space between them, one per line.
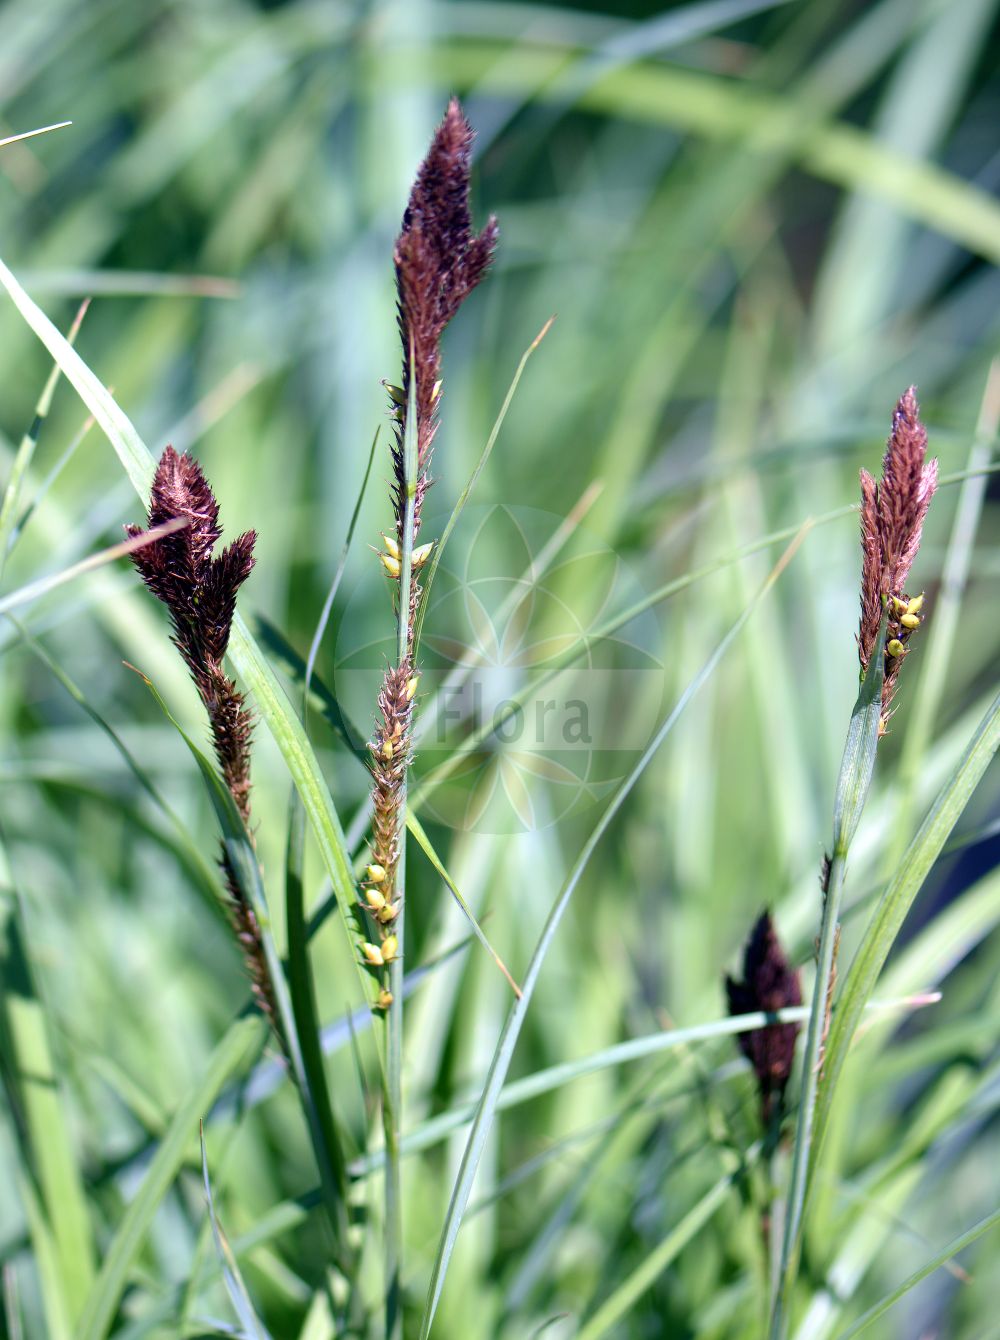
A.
pixel 33 590
pixel 957 1245
pixel 464 496
pixel 41 1101
pixel 30 134
pixel 508 1039
pixel 553 1078
pixel 888 919
pixel 270 699
pixel 243 861
pixel 611 1312
pixel 858 764
pixel 239 1295
pixel 26 449
pixel 427 847
pixel 102 1304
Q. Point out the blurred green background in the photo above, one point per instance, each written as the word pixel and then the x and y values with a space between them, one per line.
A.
pixel 757 225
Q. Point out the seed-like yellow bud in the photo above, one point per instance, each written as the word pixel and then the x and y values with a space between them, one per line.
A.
pixel 387 749
pixel 421 554
pixel 894 647
pixel 374 899
pixel 390 564
pixel 899 605
pixel 376 873
pixel 435 390
pixel 384 999
pixel 389 912
pixel 390 948
pixel 373 954
pixel 915 605
pixel 411 687
pixel 910 620
pixel 395 393
pixel 391 546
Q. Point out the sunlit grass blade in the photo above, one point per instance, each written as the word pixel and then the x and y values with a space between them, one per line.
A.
pixel 239 1295
pixel 30 134
pixel 102 1303
pixel 943 631
pixel 550 1080
pixel 942 1258
pixel 26 449
pixel 427 847
pixel 334 587
pixel 470 484
pixel 243 861
pixel 888 919
pixel 613 1309
pixel 24 595
pixel 269 697
pixel 853 786
pixel 504 1052
pixel 36 1091
pixel 193 853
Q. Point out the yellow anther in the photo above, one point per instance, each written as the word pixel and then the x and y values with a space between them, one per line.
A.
pixel 894 647
pixel 910 620
pixel 397 730
pixel 384 999
pixel 390 948
pixel 376 873
pixel 915 605
pixel 387 750
pixel 373 954
pixel 411 687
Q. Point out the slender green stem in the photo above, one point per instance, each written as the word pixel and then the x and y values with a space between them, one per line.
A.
pixel 392 1104
pixel 812 1064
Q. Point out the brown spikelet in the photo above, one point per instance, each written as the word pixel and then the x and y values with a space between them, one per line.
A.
pixel 892 519
pixel 200 591
pixel 769 983
pixel 438 262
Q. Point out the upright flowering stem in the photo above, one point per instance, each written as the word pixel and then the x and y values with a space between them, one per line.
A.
pixel 892 518
pixel 438 262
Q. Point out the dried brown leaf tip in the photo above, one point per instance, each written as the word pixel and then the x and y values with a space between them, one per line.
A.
pixel 892 520
pixel 200 592
pixel 769 984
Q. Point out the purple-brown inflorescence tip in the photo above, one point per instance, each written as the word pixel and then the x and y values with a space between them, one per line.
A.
pixel 769 984
pixel 439 260
pixel 200 592
pixel 892 519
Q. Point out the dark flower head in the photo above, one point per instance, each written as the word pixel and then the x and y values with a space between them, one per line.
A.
pixel 438 261
pixel 200 592
pixel 892 520
pixel 769 984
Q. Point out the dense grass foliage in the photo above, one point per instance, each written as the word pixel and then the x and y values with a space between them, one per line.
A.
pixel 757 224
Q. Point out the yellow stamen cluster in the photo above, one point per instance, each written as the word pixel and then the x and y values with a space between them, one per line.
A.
pixel 904 618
